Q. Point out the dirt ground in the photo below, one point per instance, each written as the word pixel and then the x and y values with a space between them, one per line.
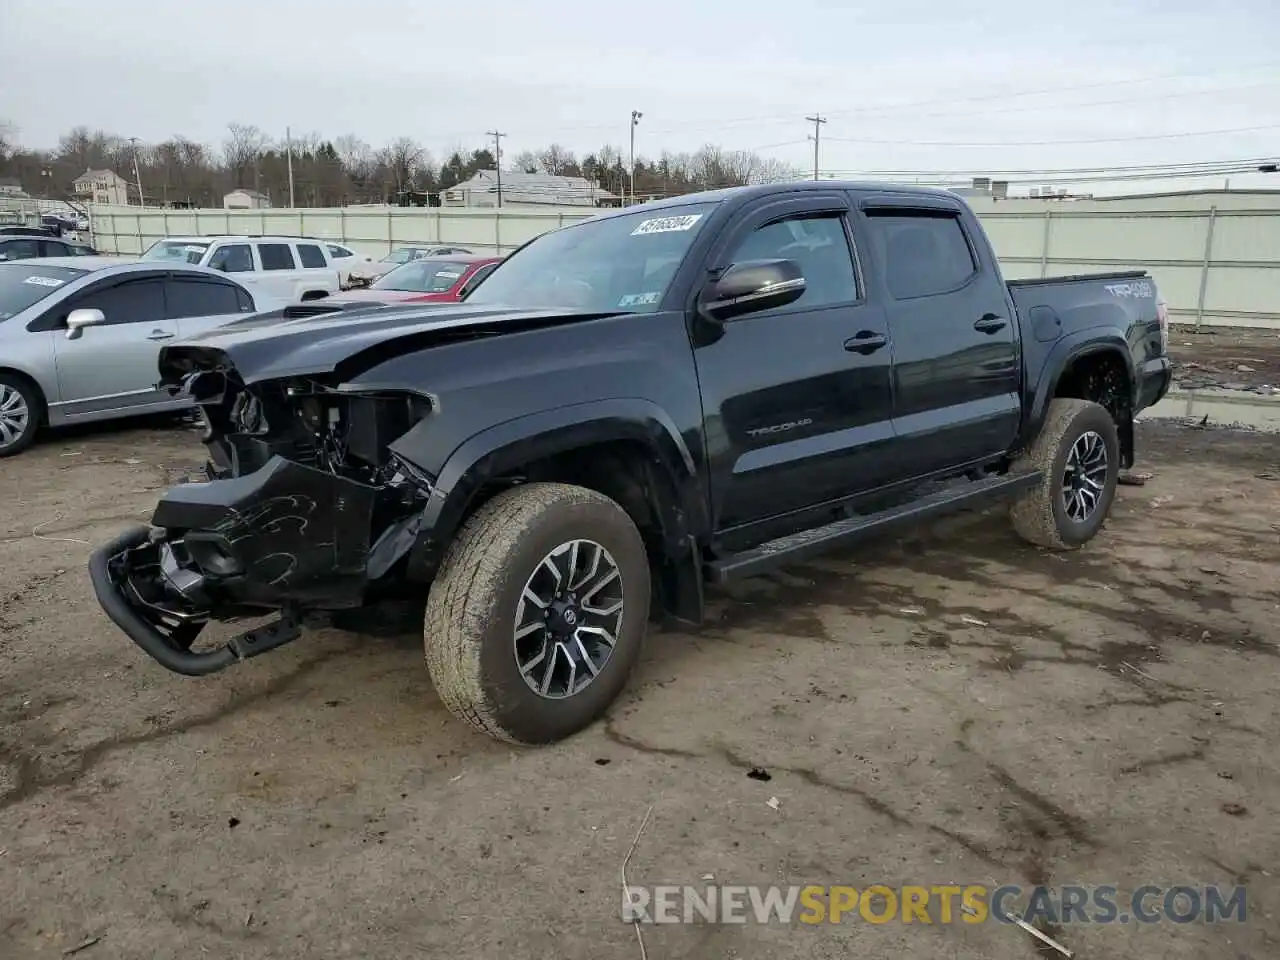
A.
pixel 1231 357
pixel 954 707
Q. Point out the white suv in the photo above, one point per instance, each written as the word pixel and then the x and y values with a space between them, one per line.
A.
pixel 286 269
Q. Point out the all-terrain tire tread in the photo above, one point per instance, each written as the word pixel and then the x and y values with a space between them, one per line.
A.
pixel 1032 511
pixel 463 595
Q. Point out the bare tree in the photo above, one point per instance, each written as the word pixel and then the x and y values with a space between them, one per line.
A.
pixel 245 143
pixel 355 154
pixel 87 150
pixel 402 158
pixel 8 139
pixel 180 168
pixel 526 161
pixel 556 160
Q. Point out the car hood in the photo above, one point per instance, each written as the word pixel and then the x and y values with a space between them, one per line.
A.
pixel 374 268
pixel 387 296
pixel 270 346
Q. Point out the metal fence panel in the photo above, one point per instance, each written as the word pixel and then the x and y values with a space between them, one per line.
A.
pixel 1215 256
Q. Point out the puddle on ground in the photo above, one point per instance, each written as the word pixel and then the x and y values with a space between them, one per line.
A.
pixel 1223 407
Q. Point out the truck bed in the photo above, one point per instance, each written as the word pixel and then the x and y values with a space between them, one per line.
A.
pixel 1078 278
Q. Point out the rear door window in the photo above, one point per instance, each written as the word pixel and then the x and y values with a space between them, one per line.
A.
pixel 922 254
pixel 276 256
pixel 199 298
pixel 311 256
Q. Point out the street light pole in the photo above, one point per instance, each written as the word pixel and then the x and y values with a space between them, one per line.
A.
pixel 288 141
pixel 137 177
pixel 635 119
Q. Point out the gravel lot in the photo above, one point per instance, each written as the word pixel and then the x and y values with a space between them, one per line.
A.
pixel 1237 358
pixel 953 707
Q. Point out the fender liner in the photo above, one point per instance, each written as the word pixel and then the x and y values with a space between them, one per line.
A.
pixel 681 510
pixel 1064 353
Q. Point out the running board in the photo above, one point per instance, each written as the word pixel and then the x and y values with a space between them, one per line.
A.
pixel 810 543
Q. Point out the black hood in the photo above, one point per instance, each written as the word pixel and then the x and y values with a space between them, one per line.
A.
pixel 271 346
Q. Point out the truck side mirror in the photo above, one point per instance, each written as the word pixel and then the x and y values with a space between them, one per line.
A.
pixel 751 286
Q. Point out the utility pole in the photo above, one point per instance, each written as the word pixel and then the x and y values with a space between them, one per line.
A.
pixel 137 177
pixel 288 148
pixel 497 157
pixel 817 120
pixel 635 119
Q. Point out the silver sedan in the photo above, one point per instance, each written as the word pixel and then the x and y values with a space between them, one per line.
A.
pixel 80 337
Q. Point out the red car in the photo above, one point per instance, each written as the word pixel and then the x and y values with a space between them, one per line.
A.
pixel 444 279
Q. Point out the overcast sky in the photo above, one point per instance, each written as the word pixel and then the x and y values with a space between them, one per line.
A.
pixel 741 74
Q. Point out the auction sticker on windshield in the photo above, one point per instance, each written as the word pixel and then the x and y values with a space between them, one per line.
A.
pixel 639 299
pixel 43 281
pixel 667 224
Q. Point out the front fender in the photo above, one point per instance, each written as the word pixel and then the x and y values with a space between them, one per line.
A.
pixel 506 446
pixel 36 362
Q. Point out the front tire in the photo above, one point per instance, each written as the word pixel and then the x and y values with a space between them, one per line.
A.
pixel 1078 451
pixel 21 408
pixel 536 617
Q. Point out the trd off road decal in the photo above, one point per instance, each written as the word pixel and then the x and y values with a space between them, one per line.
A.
pixel 1140 290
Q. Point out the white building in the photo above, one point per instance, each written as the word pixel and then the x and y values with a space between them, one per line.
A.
pixel 526 190
pixel 245 200
pixel 11 187
pixel 101 186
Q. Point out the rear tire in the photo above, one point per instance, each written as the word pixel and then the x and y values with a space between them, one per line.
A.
pixel 21 411
pixel 526 593
pixel 1078 451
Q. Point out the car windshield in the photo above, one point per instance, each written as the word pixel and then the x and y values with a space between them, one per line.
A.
pixel 183 251
pixel 613 264
pixel 26 283
pixel 423 276
pixel 403 255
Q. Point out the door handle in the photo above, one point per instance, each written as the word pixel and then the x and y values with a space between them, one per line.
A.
pixel 866 342
pixel 160 335
pixel 989 323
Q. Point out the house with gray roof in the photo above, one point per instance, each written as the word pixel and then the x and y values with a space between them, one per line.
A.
pixel 526 190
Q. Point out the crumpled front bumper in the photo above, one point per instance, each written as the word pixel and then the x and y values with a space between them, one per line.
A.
pixel 287 538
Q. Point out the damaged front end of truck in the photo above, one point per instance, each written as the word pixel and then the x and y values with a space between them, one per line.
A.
pixel 305 506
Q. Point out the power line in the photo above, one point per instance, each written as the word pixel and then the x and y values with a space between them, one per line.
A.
pixel 1209 165
pixel 817 120
pixel 927 178
pixel 722 123
pixel 1044 90
pixel 1146 98
pixel 1052 143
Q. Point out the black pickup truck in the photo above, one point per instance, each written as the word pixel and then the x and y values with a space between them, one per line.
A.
pixel 627 409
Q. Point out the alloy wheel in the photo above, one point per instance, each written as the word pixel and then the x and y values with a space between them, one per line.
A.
pixel 14 415
pixel 568 618
pixel 1085 476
